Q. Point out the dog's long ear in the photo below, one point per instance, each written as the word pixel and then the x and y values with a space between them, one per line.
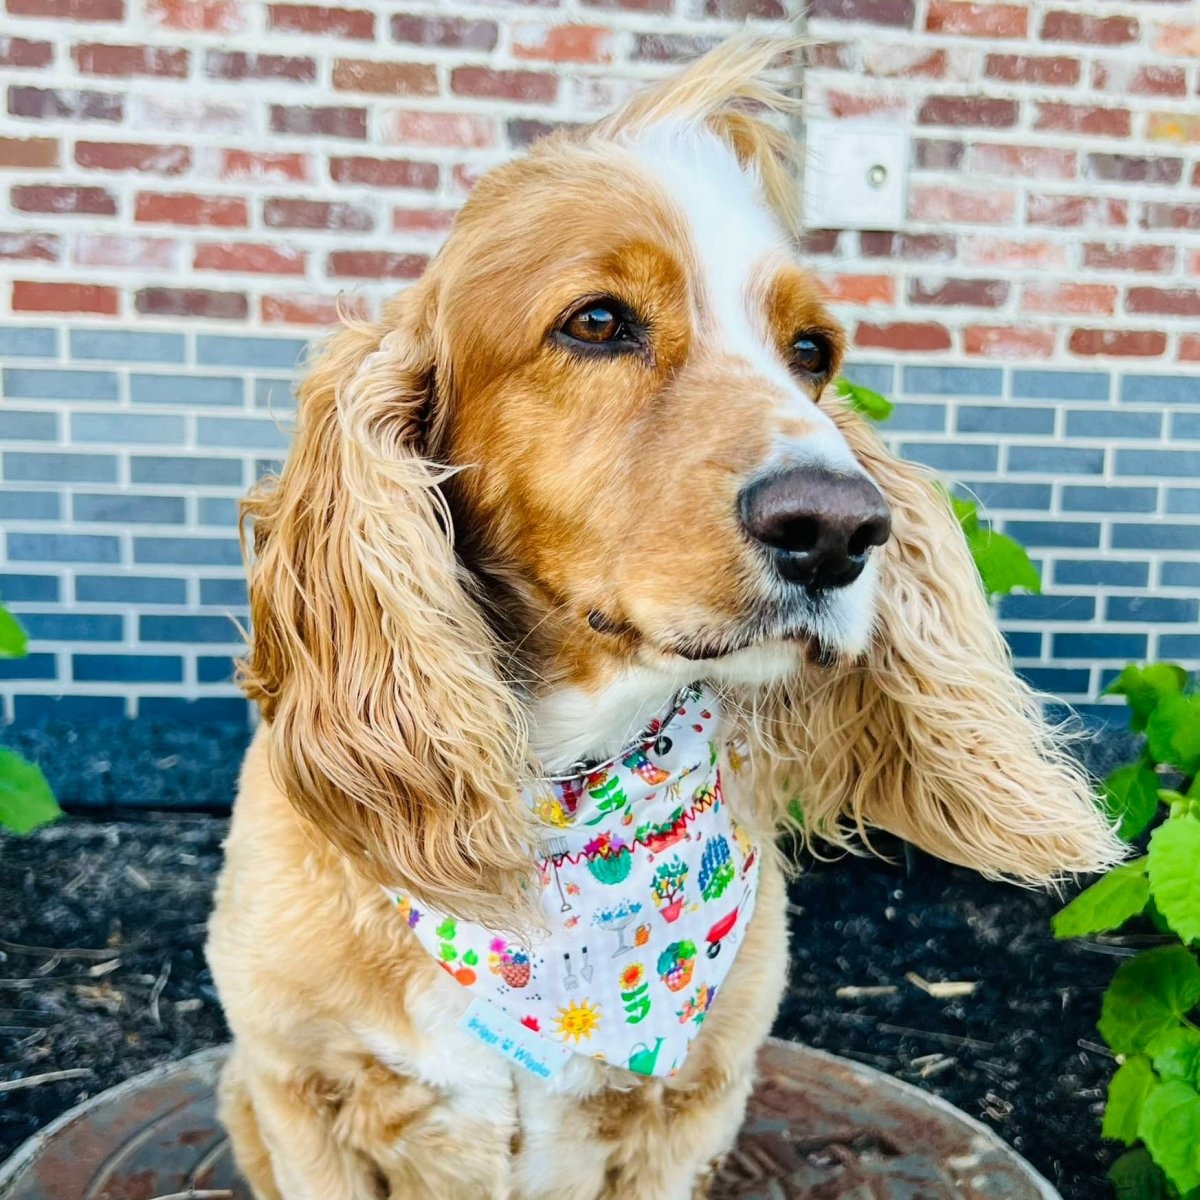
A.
pixel 391 728
pixel 931 735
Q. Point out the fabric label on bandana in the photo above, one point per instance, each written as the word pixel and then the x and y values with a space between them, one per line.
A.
pixel 647 886
pixel 518 1044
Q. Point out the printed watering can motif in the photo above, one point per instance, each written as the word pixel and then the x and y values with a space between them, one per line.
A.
pixel 647 886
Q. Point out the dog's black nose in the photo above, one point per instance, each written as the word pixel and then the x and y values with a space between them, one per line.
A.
pixel 818 524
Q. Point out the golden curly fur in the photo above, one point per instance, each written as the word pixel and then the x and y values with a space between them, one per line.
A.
pixel 929 735
pixel 456 571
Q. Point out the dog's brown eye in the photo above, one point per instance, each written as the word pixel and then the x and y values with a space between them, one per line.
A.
pixel 594 324
pixel 810 353
pixel 602 326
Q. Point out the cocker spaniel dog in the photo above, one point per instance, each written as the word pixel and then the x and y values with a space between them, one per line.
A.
pixel 578 584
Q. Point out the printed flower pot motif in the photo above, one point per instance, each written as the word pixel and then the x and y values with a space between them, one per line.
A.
pixel 677 964
pixel 608 859
pixel 706 796
pixel 668 888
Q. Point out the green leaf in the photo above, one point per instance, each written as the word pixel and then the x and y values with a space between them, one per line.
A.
pixel 1175 874
pixel 1143 687
pixel 1156 918
pixel 1002 563
pixel 1108 903
pixel 12 637
pixel 863 400
pixel 967 512
pixel 1148 996
pixel 1173 732
pixel 1131 795
pixel 26 800
pixel 1127 1091
pixel 1135 1177
pixel 1170 1127
pixel 1176 1054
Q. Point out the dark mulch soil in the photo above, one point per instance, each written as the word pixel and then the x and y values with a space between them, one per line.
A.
pixel 128 902
pixel 1020 1052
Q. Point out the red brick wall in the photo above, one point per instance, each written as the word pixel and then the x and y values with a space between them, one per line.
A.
pixel 245 162
pixel 1054 208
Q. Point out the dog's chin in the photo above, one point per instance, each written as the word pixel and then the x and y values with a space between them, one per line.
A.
pixel 758 661
pixel 778 636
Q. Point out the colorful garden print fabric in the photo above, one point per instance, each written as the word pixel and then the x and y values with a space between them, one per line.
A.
pixel 647 884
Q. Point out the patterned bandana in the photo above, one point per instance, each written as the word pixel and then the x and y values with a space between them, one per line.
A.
pixel 647 884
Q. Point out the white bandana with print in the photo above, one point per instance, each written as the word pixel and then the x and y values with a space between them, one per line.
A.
pixel 647 886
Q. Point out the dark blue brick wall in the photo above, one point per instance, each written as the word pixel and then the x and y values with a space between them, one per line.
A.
pixel 128 346
pixel 196 472
pixel 1061 385
pixel 123 452
pixel 130 589
pixel 127 668
pixel 191 391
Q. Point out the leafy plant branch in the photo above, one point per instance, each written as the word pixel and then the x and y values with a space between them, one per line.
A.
pixel 1002 562
pixel 26 800
pixel 1149 1012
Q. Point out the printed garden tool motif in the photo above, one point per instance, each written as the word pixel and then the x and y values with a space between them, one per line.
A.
pixel 642 1060
pixel 723 928
pixel 556 847
pixel 570 982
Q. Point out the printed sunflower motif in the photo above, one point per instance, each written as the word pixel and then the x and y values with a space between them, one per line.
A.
pixel 632 976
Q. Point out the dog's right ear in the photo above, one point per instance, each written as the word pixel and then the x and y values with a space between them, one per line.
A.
pixel 930 734
pixel 391 727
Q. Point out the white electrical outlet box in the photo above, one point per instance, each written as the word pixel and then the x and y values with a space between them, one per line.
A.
pixel 855 175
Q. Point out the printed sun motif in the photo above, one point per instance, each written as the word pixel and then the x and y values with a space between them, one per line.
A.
pixel 577 1021
pixel 552 812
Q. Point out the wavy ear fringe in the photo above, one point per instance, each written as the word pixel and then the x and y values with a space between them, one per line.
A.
pixel 931 736
pixel 391 728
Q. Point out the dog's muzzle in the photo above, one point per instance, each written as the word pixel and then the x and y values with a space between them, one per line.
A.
pixel 818 525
